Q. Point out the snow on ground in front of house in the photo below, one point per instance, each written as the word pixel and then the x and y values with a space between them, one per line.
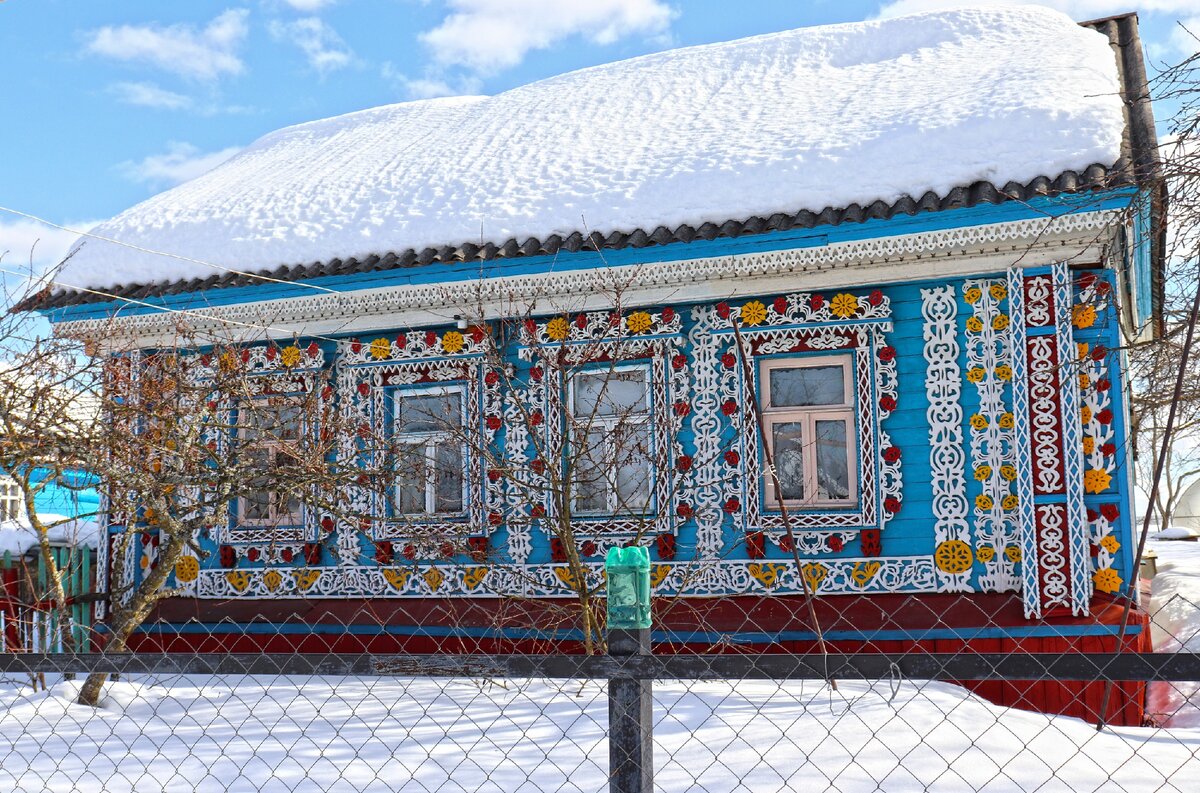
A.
pixel 802 119
pixel 294 735
pixel 1175 626
pixel 17 536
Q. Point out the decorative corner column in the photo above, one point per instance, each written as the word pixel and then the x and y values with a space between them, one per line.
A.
pixel 1052 520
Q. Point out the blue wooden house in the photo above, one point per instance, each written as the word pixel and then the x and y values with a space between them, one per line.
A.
pixel 931 233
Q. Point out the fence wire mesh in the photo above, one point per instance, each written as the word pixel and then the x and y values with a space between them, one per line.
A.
pixel 329 696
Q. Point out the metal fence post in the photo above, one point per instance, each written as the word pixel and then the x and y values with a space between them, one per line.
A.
pixel 630 701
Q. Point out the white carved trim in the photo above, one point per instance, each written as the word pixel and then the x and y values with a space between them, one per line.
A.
pixel 845 264
pixel 943 387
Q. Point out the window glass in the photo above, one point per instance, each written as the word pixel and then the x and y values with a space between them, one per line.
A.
pixel 631 469
pixel 807 386
pixel 833 474
pixel 271 427
pixel 429 453
pixel 591 488
pixel 428 412
pixel 609 393
pixel 612 470
pixel 410 478
pixel 787 442
pixel 448 478
pixel 10 500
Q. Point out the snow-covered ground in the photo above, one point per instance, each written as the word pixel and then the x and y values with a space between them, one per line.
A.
pixel 296 735
pixel 320 734
pixel 18 537
pixel 1175 622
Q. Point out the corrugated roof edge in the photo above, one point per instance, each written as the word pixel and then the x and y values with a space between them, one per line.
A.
pixel 1139 165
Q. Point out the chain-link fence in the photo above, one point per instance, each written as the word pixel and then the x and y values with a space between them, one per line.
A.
pixel 327 695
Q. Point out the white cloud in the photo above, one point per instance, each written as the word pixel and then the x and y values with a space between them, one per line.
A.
pixel 149 95
pixel 1076 9
pixel 1185 37
pixel 429 87
pixel 321 45
pixel 489 35
pixel 179 163
pixel 22 238
pixel 199 54
pixel 309 6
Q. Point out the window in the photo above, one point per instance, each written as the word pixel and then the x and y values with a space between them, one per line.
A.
pixel 610 412
pixel 10 500
pixel 808 416
pixel 429 452
pixel 270 429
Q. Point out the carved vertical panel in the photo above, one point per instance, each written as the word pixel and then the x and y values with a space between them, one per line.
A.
pixel 953 556
pixel 1053 529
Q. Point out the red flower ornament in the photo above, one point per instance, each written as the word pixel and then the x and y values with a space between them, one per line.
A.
pixel 817 302
pixel 668 315
pixel 780 305
pixel 1110 512
pixel 834 543
pixel 684 463
pixel 887 354
pixel 723 310
pixel 732 458
pixel 729 407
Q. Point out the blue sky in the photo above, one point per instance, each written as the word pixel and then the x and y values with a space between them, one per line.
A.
pixel 106 103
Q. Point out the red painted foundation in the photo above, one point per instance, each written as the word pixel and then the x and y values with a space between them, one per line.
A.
pixel 981 623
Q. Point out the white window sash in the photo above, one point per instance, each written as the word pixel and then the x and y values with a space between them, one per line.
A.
pixel 807 417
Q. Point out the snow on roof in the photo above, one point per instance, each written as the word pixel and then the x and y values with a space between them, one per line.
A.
pixel 803 119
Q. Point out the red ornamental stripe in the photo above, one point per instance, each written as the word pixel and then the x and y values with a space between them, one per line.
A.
pixel 1045 415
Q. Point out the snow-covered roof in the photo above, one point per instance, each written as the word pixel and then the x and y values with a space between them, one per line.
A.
pixel 805 119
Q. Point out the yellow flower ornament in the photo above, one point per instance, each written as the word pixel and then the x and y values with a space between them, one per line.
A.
pixel 1083 316
pixel 640 322
pixel 974 324
pixel 1096 480
pixel 953 557
pixel 1107 580
pixel 380 349
pixel 1110 543
pixel 844 305
pixel 558 328
pixel 452 342
pixel 754 313
pixel 289 356
pixel 998 291
pixel 973 294
pixel 985 553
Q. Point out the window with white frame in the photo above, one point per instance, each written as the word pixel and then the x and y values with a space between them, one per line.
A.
pixel 429 452
pixel 808 418
pixel 611 431
pixel 270 430
pixel 10 499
